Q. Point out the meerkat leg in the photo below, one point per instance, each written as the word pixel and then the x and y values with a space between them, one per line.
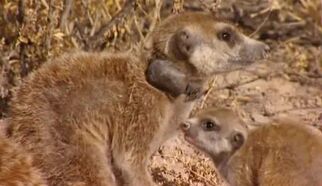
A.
pixel 139 176
pixel 100 172
pixel 91 167
pixel 134 171
pixel 239 174
pixel 163 75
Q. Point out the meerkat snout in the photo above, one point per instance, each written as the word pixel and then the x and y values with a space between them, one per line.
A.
pixel 254 50
pixel 261 48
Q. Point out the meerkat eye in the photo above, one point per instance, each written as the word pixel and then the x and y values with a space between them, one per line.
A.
pixel 225 35
pixel 210 125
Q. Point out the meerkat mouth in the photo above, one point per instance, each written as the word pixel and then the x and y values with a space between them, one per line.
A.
pixel 193 142
pixel 247 60
pixel 190 139
pixel 240 62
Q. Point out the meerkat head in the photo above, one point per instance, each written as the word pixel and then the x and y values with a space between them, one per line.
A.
pixel 206 45
pixel 217 132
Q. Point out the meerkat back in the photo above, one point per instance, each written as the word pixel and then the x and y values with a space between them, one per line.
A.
pixel 283 154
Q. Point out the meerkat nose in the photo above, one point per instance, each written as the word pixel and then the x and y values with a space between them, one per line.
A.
pixel 185 126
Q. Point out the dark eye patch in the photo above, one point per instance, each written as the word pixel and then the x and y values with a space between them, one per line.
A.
pixel 225 34
pixel 228 35
pixel 210 125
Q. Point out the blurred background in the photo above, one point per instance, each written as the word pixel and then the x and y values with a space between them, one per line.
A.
pixel 288 83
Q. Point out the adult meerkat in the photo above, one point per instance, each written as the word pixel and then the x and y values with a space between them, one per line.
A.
pixel 193 37
pixel 85 115
pixel 279 154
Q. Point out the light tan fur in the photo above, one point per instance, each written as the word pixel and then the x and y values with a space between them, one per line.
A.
pixel 280 154
pixel 92 119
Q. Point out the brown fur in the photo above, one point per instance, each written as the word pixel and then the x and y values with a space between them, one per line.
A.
pixel 284 154
pixel 279 154
pixel 86 116
pixel 16 167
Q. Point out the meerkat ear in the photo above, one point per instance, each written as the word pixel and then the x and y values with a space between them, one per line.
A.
pixel 237 140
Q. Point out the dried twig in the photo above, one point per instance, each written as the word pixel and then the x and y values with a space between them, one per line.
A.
pixel 43 2
pixel 321 12
pixel 156 18
pixel 314 108
pixel 65 14
pixel 177 6
pixel 211 87
pixel 97 38
pixel 21 18
pixel 50 27
pixel 138 28
pixel 85 4
pixel 21 11
pixel 82 35
pixel 210 7
pixel 264 21
pixel 235 85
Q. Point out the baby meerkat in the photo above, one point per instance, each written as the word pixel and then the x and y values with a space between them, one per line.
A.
pixel 279 154
pixel 87 116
